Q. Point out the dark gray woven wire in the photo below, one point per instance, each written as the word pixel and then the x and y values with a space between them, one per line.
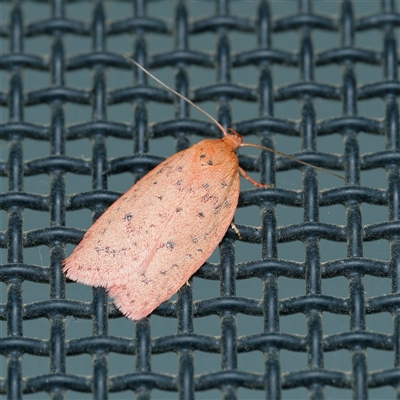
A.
pixel 271 383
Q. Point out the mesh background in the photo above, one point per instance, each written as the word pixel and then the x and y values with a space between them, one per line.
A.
pixel 307 305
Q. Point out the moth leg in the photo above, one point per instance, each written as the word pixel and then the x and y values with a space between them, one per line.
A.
pixel 253 182
pixel 187 283
pixel 234 227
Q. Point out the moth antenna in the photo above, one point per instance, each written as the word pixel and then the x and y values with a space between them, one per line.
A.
pixel 221 127
pixel 287 156
pixel 177 94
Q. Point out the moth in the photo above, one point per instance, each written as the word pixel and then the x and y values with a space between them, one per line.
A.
pixel 162 230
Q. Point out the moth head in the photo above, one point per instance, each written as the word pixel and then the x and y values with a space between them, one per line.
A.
pixel 233 139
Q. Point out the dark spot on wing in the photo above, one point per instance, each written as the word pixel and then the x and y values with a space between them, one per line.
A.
pixel 217 209
pixel 200 250
pixel 179 210
pixel 223 184
pixel 195 239
pixel 178 183
pixel 207 197
pixel 155 183
pixel 170 245
pixel 201 214
pixel 210 162
pixel 202 155
pixel 159 197
pixel 163 272
pixel 128 217
pixel 205 185
pixel 180 168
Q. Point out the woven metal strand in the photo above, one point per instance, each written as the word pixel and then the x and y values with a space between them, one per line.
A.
pixel 139 131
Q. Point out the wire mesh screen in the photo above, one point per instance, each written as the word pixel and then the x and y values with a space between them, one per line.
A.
pixel 306 304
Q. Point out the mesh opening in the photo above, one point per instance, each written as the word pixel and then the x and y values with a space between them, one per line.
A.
pixel 310 308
